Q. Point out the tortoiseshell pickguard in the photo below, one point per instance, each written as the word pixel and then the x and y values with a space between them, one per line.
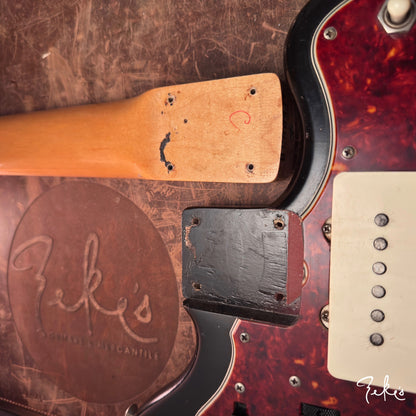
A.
pixel 370 78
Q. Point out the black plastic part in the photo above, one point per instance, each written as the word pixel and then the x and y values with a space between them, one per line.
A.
pixel 311 410
pixel 240 409
pixel 211 365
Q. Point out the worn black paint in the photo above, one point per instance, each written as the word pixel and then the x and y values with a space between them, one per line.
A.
pixel 235 261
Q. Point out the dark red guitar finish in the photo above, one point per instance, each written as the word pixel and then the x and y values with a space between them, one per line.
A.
pixel 370 79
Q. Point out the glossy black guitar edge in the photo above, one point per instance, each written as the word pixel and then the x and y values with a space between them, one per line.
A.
pixel 312 104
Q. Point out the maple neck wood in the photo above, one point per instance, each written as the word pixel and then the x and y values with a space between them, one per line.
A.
pixel 226 130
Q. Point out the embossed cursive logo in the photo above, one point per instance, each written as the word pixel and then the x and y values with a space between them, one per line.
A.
pixel 92 279
pixel 93 293
pixel 382 392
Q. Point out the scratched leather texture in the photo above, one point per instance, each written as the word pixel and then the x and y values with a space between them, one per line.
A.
pixel 85 265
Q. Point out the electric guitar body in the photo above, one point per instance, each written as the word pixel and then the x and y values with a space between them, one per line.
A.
pixel 354 76
pixel 91 316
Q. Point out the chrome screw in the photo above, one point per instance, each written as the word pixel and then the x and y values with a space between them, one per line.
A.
pixel 324 315
pixel 330 33
pixel 294 381
pixel 327 229
pixel 244 337
pixel 348 152
pixel 240 388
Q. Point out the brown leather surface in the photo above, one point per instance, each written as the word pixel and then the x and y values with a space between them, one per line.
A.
pixel 66 52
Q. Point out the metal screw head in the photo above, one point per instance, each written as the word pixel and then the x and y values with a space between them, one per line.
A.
pixel 379 268
pixel 378 291
pixel 380 243
pixel 324 316
pixel 376 339
pixel 348 152
pixel 294 381
pixel 381 220
pixel 244 337
pixel 377 315
pixel 330 33
pixel 327 229
pixel 240 388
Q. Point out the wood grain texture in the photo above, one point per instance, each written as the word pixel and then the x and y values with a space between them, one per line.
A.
pixel 65 53
pixel 227 130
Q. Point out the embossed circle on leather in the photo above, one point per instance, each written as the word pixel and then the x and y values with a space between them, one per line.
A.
pixel 93 292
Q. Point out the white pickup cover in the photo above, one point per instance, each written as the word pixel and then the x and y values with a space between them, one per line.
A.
pixel 358 199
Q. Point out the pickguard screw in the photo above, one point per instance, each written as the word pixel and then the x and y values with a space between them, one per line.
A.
pixel 294 381
pixel 244 337
pixel 330 33
pixel 348 152
pixel 324 315
pixel 240 388
pixel 327 229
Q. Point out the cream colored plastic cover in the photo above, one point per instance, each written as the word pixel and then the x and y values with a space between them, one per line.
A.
pixel 358 199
